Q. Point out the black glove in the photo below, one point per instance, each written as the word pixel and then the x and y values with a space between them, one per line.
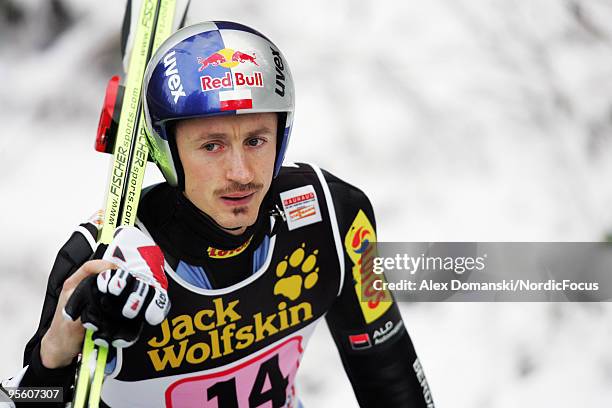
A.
pixel 115 304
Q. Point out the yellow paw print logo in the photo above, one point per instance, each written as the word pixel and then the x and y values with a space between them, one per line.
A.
pixel 303 275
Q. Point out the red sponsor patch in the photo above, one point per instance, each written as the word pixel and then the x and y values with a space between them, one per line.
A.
pixel 302 212
pixel 299 199
pixel 301 207
pixel 154 258
pixel 360 341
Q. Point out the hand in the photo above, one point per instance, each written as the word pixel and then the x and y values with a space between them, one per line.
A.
pixel 115 304
pixel 64 339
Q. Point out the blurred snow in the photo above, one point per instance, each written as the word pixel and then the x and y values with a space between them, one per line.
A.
pixel 461 119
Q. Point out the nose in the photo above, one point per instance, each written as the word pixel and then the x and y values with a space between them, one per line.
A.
pixel 239 169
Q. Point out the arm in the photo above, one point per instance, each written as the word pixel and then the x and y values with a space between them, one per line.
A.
pixel 115 304
pixel 376 351
pixel 45 363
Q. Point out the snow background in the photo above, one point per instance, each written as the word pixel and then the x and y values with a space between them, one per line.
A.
pixel 461 119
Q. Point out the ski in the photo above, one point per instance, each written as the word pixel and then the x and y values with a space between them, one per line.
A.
pixel 152 25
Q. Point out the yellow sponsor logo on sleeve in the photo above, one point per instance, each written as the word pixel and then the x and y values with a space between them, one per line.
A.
pixel 360 244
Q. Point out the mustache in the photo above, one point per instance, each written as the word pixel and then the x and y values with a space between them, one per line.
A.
pixel 238 188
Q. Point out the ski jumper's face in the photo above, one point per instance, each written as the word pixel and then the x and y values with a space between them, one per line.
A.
pixel 228 163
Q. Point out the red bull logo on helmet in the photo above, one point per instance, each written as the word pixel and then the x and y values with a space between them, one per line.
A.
pixel 226 58
pixel 228 81
pixel 229 58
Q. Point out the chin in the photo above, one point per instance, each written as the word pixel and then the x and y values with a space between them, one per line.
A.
pixel 239 217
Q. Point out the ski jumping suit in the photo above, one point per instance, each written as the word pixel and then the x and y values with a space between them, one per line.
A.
pixel 243 308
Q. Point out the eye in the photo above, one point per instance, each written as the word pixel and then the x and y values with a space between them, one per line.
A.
pixel 211 147
pixel 256 141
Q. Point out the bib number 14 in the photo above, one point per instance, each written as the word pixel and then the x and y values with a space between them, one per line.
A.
pixel 265 381
pixel 275 388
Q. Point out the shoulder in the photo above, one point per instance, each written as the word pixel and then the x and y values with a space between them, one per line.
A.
pixel 344 193
pixel 74 252
pixel 348 200
pixel 294 175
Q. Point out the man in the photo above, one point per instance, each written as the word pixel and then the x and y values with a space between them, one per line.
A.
pixel 254 254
